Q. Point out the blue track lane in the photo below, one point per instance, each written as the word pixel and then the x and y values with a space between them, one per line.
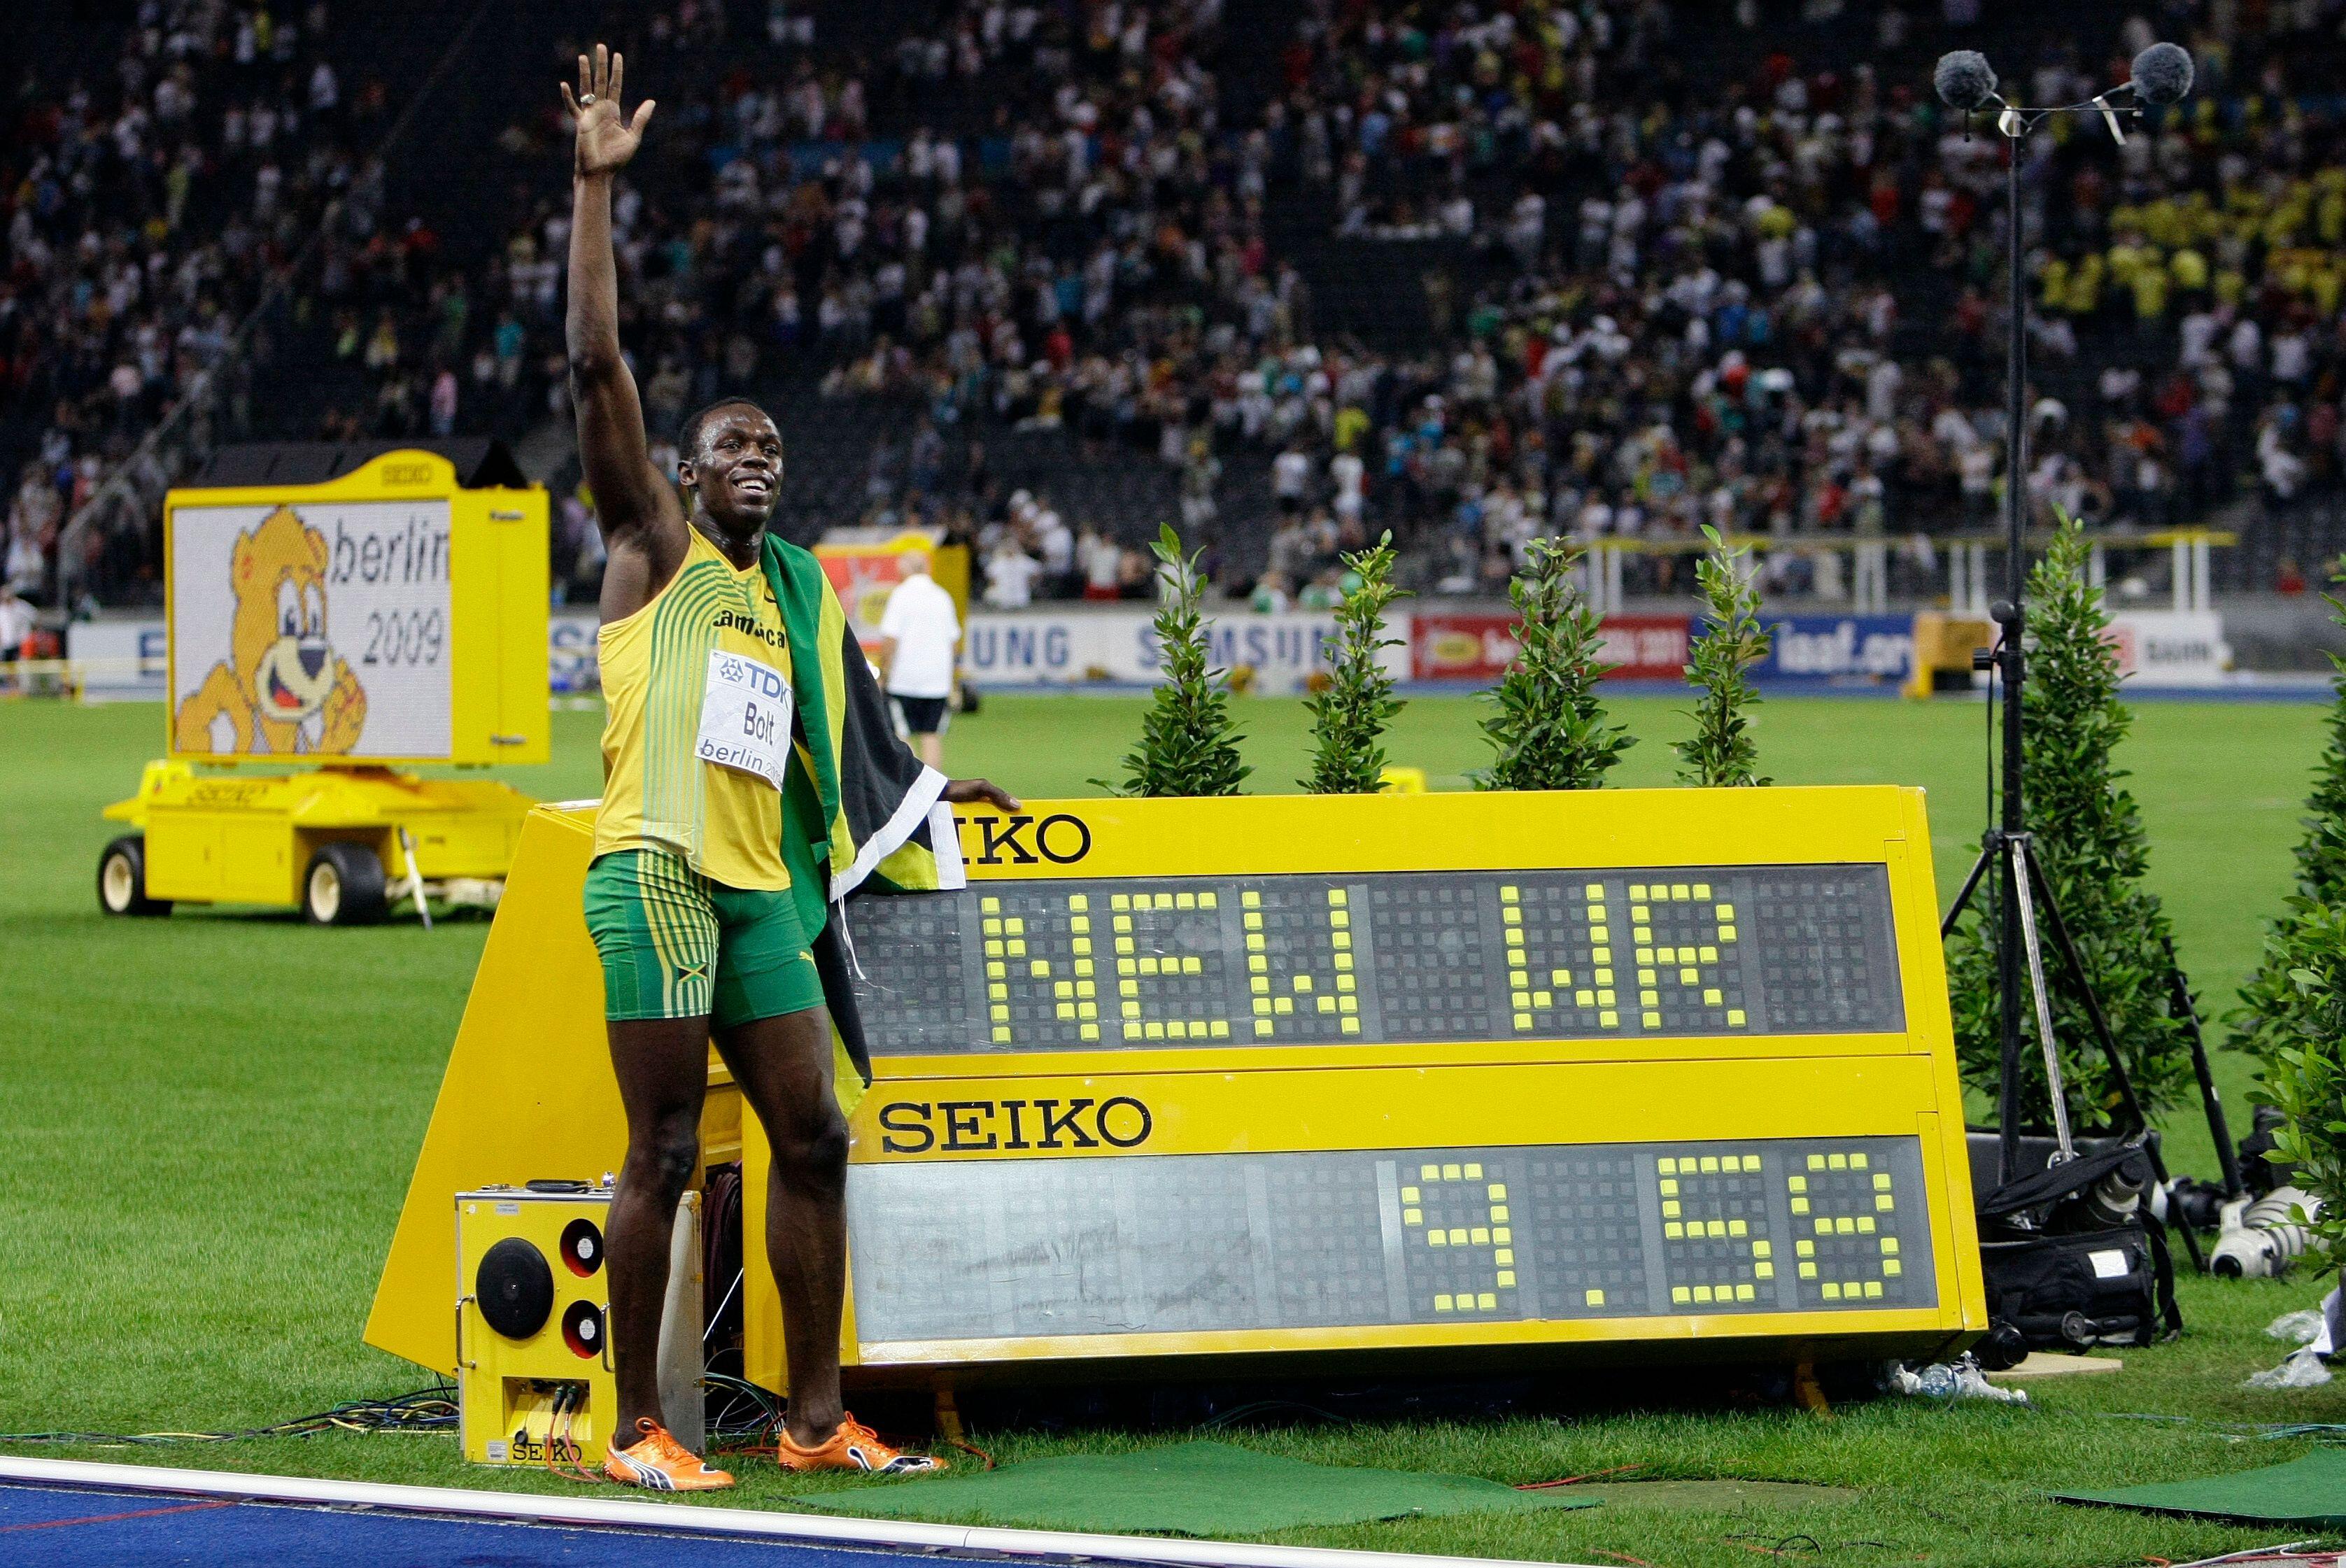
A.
pixel 65 1528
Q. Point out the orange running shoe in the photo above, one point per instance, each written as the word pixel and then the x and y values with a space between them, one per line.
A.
pixel 658 1461
pixel 853 1446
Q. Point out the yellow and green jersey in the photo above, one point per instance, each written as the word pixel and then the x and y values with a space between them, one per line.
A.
pixel 858 811
pixel 657 793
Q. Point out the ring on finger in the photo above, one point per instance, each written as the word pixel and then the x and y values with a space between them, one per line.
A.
pixel 586 99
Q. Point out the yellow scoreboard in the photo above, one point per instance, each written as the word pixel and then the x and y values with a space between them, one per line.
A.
pixel 1457 1075
pixel 1482 1079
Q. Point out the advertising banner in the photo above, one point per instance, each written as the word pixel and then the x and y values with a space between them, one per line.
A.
pixel 1042 647
pixel 1839 650
pixel 2171 647
pixel 126 658
pixel 1460 646
pixel 1647 647
pixel 319 631
pixel 1478 647
pixel 1048 649
pixel 573 660
pixel 120 661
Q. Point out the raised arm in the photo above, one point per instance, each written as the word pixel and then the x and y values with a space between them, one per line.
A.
pixel 633 505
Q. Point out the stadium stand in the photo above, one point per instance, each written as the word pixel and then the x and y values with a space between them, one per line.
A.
pixel 1604 268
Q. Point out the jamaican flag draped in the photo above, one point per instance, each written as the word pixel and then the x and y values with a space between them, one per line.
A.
pixel 860 813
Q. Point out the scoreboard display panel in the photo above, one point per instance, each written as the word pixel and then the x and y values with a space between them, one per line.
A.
pixel 1389 1237
pixel 1654 1072
pixel 1574 954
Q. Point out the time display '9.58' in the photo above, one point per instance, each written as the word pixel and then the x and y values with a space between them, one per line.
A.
pixel 1408 956
pixel 1352 1238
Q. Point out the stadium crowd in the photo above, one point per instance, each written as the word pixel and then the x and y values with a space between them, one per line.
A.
pixel 1712 330
pixel 1663 285
pixel 151 200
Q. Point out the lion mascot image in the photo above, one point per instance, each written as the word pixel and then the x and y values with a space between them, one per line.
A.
pixel 283 689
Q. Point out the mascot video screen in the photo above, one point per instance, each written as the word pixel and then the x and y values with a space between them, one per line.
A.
pixel 322 629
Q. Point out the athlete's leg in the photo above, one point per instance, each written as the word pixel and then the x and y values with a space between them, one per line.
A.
pixel 662 1066
pixel 655 932
pixel 783 1066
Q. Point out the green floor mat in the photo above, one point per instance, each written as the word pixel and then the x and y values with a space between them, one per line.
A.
pixel 1194 1488
pixel 2307 1490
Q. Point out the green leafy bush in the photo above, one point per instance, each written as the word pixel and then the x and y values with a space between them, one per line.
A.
pixel 2306 1076
pixel 2273 1009
pixel 1549 728
pixel 1722 752
pixel 1349 718
pixel 1188 742
pixel 2090 840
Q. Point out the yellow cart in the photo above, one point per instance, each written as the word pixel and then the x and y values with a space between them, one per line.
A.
pixel 387 617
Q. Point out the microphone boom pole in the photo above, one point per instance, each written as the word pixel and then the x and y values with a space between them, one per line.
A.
pixel 2013 616
pixel 2162 74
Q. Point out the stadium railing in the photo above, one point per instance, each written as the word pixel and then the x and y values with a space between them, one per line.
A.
pixel 1967 562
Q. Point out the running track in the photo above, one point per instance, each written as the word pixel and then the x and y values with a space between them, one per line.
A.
pixel 62 1528
pixel 65 1513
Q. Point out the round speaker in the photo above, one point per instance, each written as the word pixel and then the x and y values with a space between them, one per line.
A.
pixel 582 1247
pixel 515 1288
pixel 582 1330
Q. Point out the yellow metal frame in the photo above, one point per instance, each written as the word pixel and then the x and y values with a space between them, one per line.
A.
pixel 497 665
pixel 238 838
pixel 529 1093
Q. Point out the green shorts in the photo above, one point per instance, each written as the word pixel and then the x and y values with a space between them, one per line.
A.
pixel 676 946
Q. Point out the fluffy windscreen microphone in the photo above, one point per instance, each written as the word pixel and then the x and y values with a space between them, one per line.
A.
pixel 1965 80
pixel 2162 73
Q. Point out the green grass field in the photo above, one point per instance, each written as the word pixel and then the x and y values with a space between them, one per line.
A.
pixel 207 1125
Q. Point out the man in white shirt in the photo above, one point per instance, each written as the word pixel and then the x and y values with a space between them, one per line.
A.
pixel 920 644
pixel 1291 471
pixel 1102 560
pixel 1010 574
pixel 1347 473
pixel 1057 544
pixel 16 619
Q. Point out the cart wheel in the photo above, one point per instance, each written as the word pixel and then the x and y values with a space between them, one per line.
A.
pixel 344 885
pixel 122 878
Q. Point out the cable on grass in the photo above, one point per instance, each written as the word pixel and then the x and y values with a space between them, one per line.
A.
pixel 1264 1406
pixel 428 1409
pixel 764 1411
pixel 971 1448
pixel 2239 1431
pixel 1784 1545
pixel 1778 1546
pixel 1576 1480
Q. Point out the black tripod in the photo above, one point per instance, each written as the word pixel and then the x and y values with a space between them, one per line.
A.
pixel 2025 890
pixel 2008 848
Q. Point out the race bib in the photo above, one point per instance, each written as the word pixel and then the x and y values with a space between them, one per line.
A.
pixel 744 716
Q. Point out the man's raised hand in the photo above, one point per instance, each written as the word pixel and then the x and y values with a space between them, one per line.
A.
pixel 606 141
